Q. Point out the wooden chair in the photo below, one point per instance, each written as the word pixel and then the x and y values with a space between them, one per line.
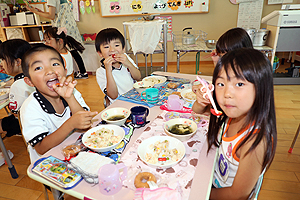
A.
pixel 294 140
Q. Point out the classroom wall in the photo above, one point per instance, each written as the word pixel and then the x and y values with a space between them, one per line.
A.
pixel 221 17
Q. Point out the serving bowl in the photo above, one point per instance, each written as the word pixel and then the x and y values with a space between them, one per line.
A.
pixel 4 92
pixel 108 114
pixel 146 148
pixel 211 44
pixel 117 131
pixel 188 95
pixel 141 86
pixel 169 124
pixel 157 80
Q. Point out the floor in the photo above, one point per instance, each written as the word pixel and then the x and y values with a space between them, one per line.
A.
pixel 281 182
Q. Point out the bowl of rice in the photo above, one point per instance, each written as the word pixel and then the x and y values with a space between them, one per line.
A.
pixel 103 138
pixel 188 95
pixel 157 80
pixel 141 86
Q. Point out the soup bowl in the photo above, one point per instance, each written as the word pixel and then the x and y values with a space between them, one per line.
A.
pixel 116 116
pixel 186 122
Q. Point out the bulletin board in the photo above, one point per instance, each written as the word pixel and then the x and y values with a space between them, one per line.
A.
pixel 115 8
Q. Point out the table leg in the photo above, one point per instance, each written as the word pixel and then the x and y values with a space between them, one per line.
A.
pixel 146 64
pixel 178 60
pixel 11 168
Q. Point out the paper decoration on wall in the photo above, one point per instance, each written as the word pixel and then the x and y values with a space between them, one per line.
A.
pixel 174 4
pixel 188 3
pixel 88 6
pixel 160 5
pixel 93 6
pixel 115 7
pixel 136 6
pixel 82 10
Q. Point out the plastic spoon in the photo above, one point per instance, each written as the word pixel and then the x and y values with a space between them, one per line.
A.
pixel 214 111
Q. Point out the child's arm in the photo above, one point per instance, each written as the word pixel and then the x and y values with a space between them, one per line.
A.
pixel 111 86
pixel 79 120
pixel 135 72
pixel 201 105
pixel 250 167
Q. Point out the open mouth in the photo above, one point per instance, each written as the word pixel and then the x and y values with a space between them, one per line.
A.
pixel 52 82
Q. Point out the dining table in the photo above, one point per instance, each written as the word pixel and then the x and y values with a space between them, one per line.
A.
pixel 200 185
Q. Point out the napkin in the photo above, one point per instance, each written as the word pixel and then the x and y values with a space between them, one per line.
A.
pixel 88 164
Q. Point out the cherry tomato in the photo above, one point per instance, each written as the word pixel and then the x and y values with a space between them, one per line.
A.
pixel 57 84
pixel 113 55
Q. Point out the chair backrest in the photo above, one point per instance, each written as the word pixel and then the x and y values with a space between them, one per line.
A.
pixel 255 192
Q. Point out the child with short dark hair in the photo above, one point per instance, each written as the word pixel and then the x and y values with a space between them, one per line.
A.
pixel 234 38
pixel 118 71
pixel 11 52
pixel 51 113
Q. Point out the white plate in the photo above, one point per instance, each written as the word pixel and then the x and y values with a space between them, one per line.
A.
pixel 144 148
pixel 2 84
pixel 117 131
pixel 161 80
pixel 183 94
pixel 4 96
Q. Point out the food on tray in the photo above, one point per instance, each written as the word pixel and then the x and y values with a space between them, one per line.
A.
pixel 190 96
pixel 3 92
pixel 177 93
pixel 141 179
pixel 71 150
pixel 115 117
pixel 181 129
pixel 172 85
pixel 154 80
pixel 102 138
pixel 160 152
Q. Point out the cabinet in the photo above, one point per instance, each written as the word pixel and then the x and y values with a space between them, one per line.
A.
pixel 29 33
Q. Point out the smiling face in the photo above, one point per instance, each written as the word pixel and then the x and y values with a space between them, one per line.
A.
pixel 113 47
pixel 234 95
pixel 44 68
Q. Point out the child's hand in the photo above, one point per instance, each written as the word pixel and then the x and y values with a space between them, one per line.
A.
pixel 200 94
pixel 108 62
pixel 121 57
pixel 214 56
pixel 82 119
pixel 65 87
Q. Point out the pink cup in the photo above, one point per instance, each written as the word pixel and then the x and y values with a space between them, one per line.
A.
pixel 110 179
pixel 174 103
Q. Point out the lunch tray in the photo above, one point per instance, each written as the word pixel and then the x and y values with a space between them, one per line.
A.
pixel 135 97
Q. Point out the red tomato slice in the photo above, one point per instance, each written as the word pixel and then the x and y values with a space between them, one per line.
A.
pixel 214 112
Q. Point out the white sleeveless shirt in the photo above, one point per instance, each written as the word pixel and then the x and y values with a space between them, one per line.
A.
pixel 227 163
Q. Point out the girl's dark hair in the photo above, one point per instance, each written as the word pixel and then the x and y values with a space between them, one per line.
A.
pixel 69 42
pixel 10 50
pixel 255 67
pixel 107 35
pixel 33 50
pixel 233 39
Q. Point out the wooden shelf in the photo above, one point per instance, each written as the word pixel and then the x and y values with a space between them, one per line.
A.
pixel 29 32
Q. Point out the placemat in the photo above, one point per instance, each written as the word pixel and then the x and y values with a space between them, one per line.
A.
pixel 134 97
pixel 180 176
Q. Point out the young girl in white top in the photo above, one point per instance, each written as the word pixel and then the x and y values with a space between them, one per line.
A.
pixel 63 43
pixel 246 132
pixel 11 53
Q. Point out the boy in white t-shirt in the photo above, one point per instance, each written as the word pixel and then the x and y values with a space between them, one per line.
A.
pixel 118 71
pixel 51 113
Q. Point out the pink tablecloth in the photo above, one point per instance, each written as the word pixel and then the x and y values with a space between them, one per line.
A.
pixel 180 176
